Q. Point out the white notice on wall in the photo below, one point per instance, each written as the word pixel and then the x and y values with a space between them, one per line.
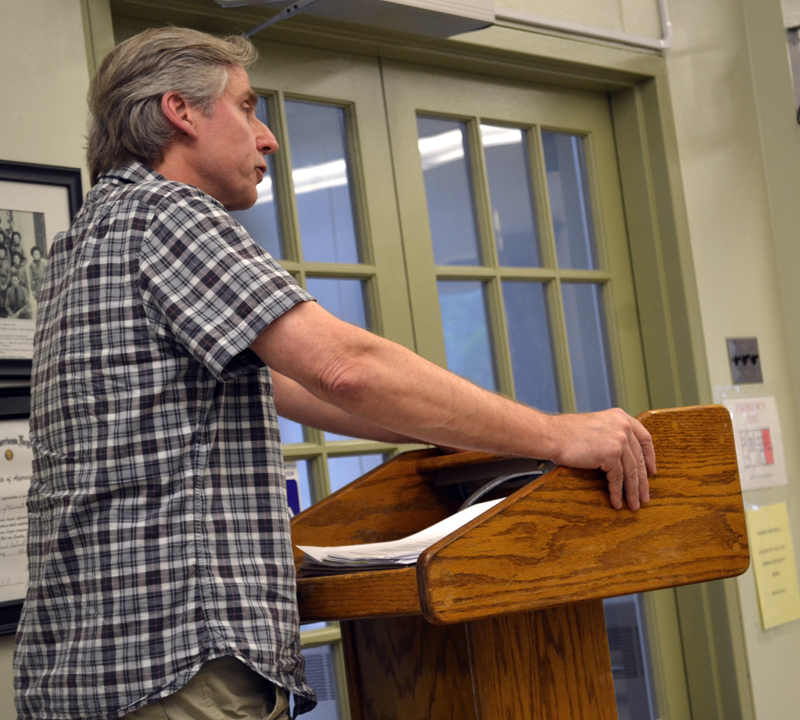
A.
pixel 759 447
pixel 16 465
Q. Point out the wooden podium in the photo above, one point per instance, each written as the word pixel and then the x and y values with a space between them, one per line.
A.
pixel 503 619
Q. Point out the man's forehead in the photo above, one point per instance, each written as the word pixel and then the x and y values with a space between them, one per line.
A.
pixel 239 84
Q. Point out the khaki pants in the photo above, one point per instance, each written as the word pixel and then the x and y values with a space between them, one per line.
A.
pixel 224 689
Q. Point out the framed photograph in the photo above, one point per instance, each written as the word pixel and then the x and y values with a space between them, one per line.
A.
pixel 16 467
pixel 36 202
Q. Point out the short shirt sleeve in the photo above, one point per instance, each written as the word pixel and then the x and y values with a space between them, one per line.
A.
pixel 208 286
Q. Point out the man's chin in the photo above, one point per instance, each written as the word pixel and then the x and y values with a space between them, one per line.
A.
pixel 241 203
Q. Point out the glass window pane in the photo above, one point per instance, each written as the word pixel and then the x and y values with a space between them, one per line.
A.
pixel 588 346
pixel 343 470
pixel 343 298
pixel 466 331
pixel 445 168
pixel 569 200
pixel 630 657
pixel 303 486
pixel 291 432
pixel 320 676
pixel 261 220
pixel 513 214
pixel 318 142
pixel 530 340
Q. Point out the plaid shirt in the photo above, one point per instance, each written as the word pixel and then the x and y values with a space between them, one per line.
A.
pixel 158 530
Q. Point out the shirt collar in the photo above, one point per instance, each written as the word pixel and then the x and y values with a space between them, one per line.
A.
pixel 133 172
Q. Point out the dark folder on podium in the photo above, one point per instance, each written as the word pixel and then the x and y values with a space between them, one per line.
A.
pixel 502 619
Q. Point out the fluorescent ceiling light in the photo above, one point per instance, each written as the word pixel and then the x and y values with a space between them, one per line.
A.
pixel 307 180
pixel 441 149
pixel 492 135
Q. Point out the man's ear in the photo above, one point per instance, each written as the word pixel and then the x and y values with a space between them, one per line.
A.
pixel 179 113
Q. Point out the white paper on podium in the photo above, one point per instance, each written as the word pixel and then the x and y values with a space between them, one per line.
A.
pixel 395 553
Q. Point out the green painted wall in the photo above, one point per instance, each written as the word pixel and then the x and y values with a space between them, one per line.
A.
pixel 638 17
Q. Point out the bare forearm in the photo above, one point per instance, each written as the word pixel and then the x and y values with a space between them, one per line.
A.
pixel 294 402
pixel 446 410
pixel 405 393
pixel 384 385
pixel 379 384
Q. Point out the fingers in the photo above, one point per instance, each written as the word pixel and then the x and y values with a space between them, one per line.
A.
pixel 644 480
pixel 632 482
pixel 646 444
pixel 635 456
pixel 646 459
pixel 617 444
pixel 616 481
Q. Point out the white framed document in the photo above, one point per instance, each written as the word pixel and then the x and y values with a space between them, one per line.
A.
pixel 16 468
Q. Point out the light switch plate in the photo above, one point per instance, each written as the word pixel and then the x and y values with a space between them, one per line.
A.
pixel 745 360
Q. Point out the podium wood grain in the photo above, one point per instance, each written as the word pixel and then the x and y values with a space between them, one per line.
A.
pixel 405 668
pixel 545 665
pixel 555 541
pixel 558 540
pixel 503 619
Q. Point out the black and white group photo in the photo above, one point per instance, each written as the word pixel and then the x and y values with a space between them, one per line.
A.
pixel 23 252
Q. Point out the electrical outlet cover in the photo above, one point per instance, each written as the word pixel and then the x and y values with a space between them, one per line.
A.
pixel 745 360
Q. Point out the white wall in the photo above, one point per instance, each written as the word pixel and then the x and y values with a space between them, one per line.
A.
pixel 637 17
pixel 44 79
pixel 730 209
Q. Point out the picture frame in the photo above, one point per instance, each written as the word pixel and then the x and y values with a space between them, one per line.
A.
pixel 36 202
pixel 15 406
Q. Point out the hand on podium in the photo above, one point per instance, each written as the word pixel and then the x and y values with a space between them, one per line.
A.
pixel 613 442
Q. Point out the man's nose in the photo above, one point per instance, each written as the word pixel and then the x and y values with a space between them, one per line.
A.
pixel 266 141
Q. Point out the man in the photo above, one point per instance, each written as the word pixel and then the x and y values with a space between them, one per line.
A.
pixel 5 276
pixel 36 271
pixel 162 582
pixel 16 301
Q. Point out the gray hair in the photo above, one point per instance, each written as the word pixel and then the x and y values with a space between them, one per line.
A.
pixel 126 120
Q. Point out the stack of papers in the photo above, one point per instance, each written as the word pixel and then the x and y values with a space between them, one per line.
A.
pixel 384 555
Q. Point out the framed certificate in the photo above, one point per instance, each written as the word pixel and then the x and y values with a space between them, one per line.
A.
pixel 16 467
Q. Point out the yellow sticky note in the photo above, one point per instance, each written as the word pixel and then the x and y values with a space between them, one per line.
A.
pixel 772 556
